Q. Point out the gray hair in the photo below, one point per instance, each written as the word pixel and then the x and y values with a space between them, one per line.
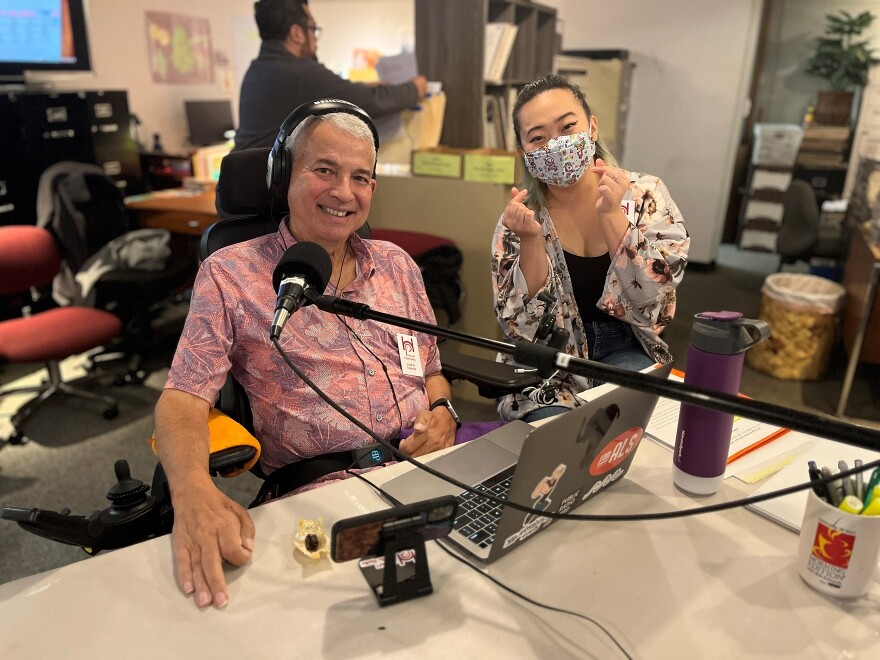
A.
pixel 344 121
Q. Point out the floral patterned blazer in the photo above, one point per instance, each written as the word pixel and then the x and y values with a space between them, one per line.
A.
pixel 639 287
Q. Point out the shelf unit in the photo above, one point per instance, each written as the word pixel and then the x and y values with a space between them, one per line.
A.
pixel 450 41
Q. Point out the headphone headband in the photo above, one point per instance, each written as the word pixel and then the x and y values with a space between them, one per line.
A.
pixel 280 165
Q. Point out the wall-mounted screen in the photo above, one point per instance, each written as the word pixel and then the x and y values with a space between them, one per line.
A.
pixel 42 35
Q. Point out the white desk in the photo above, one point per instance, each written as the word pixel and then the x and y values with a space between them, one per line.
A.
pixel 717 585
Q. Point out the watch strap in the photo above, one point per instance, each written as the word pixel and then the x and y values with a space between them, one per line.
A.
pixel 446 403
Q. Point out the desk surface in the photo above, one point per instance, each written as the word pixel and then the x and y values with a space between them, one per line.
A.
pixel 177 210
pixel 716 585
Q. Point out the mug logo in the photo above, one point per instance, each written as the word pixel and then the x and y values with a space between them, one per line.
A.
pixel 833 546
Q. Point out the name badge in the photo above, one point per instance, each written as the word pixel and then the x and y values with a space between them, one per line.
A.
pixel 628 206
pixel 410 362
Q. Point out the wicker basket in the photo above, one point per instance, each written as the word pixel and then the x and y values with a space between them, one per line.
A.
pixel 802 334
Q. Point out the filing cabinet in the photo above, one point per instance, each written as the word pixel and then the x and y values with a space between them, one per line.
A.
pixel 39 129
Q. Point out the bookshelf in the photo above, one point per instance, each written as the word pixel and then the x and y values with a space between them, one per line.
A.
pixel 450 47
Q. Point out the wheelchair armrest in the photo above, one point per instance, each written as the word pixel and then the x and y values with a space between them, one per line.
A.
pixel 231 461
pixel 493 379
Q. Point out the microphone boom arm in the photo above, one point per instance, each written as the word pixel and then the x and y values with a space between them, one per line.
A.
pixel 544 357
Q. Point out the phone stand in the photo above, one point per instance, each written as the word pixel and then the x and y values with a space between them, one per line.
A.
pixel 401 540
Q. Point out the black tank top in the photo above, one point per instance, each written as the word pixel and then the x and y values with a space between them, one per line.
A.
pixel 588 280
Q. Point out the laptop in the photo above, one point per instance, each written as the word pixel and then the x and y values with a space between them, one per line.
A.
pixel 554 467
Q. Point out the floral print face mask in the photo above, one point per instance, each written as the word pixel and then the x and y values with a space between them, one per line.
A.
pixel 563 160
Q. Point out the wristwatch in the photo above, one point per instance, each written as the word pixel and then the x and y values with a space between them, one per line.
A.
pixel 448 405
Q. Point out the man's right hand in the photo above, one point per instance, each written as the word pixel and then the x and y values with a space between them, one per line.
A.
pixel 208 528
pixel 421 84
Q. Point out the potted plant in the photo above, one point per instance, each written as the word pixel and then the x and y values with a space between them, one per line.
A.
pixel 844 62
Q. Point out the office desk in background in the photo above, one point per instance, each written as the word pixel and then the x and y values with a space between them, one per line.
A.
pixel 179 210
pixel 715 585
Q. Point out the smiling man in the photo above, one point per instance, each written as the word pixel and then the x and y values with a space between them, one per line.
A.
pixel 359 364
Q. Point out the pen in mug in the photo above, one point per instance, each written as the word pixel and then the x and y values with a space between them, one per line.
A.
pixel 869 489
pixel 847 483
pixel 860 481
pixel 816 475
pixel 833 491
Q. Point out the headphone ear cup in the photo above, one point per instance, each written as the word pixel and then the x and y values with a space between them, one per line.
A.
pixel 284 171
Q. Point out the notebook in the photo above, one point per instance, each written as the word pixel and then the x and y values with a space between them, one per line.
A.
pixel 554 467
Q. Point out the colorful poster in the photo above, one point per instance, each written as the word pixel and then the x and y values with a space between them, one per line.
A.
pixel 180 48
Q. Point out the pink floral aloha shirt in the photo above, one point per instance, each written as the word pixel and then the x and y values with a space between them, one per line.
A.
pixel 228 329
pixel 639 288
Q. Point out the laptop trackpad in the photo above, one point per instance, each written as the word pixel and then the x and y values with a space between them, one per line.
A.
pixel 474 462
pixel 471 464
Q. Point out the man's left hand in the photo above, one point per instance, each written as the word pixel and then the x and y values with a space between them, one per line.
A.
pixel 433 430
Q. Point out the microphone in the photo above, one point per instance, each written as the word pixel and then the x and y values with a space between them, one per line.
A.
pixel 304 266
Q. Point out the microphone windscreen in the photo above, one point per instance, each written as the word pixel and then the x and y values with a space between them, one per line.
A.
pixel 308 260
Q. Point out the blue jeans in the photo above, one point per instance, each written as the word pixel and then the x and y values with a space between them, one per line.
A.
pixel 611 342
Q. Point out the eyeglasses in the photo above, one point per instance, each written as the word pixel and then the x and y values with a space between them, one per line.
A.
pixel 314 28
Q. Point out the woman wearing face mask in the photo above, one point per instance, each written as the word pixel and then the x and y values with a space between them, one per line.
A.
pixel 613 275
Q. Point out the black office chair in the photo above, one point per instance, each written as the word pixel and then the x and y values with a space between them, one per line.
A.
pixel 107 263
pixel 799 229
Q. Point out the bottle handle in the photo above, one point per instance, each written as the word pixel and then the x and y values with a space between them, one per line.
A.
pixel 757 330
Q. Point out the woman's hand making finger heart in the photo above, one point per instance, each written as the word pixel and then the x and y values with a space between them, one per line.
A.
pixel 518 218
pixel 613 183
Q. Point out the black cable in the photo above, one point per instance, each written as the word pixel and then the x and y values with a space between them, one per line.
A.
pixel 663 515
pixel 496 581
pixel 532 601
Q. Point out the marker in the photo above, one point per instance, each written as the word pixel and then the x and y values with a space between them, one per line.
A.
pixel 815 476
pixel 847 483
pixel 833 491
pixel 872 482
pixel 872 509
pixel 860 481
pixel 851 504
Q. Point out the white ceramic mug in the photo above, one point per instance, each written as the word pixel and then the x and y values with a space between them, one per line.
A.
pixel 837 551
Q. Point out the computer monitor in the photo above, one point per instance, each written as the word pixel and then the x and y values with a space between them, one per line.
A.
pixel 208 121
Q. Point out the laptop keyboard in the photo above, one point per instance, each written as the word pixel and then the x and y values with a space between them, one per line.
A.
pixel 478 517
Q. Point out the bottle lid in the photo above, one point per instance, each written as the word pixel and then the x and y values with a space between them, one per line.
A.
pixel 726 332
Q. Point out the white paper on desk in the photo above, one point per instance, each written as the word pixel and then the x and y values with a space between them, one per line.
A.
pixel 746 432
pixel 788 511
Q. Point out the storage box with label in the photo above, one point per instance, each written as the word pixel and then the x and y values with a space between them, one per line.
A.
pixel 438 161
pixel 484 165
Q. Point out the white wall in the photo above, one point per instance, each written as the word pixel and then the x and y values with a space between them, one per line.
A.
pixel 693 64
pixel 120 57
pixel 786 90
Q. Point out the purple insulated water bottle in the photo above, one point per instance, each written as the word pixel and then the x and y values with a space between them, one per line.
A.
pixel 715 360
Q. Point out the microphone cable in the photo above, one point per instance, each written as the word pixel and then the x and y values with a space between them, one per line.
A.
pixel 661 515
pixel 479 571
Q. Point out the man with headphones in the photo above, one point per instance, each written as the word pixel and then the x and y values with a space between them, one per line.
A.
pixel 388 378
pixel 287 74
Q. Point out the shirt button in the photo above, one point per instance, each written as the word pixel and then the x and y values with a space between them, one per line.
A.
pixel 379 417
pixel 372 372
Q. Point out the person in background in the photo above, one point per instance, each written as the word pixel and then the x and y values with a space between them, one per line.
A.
pixel 287 74
pixel 612 274
pixel 357 363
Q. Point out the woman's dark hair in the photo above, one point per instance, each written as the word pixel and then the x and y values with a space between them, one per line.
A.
pixel 537 189
pixel 274 17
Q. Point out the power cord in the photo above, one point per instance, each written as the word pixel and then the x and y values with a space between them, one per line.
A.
pixel 496 581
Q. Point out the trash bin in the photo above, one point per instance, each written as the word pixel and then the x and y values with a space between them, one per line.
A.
pixel 802 313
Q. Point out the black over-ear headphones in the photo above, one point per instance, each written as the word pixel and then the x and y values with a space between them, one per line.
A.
pixel 280 163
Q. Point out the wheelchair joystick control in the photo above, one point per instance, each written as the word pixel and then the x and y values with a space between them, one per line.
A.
pixel 126 492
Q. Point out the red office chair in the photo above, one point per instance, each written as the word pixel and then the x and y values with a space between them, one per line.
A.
pixel 28 258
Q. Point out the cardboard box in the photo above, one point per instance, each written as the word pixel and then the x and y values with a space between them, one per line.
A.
pixel 484 165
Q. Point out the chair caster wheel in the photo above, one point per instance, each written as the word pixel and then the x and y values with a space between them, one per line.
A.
pixel 111 413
